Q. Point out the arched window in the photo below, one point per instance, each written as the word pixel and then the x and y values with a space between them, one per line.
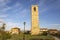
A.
pixel 34 8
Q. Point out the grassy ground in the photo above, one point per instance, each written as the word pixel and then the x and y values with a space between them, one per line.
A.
pixel 41 37
pixel 30 37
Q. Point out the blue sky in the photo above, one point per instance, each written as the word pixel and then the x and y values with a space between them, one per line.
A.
pixel 15 12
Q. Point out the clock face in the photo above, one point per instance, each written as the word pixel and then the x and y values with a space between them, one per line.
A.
pixel 34 8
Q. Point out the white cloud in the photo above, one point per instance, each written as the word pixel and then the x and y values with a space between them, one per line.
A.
pixel 5 8
pixel 1 0
pixel 43 10
pixel 17 5
pixel 41 5
pixel 1 20
pixel 3 16
pixel 3 3
pixel 11 25
pixel 54 26
pixel 41 2
pixel 22 14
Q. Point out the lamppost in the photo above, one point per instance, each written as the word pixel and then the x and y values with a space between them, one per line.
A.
pixel 24 31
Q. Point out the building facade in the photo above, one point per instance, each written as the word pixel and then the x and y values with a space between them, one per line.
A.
pixel 15 30
pixel 52 31
pixel 35 30
pixel 42 30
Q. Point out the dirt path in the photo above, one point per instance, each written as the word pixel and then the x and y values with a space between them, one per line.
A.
pixel 56 38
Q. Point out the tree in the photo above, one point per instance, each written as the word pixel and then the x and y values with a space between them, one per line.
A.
pixel 3 34
pixel 3 26
pixel 44 33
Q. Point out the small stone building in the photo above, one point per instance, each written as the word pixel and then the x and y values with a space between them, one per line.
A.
pixel 43 30
pixel 52 31
pixel 15 30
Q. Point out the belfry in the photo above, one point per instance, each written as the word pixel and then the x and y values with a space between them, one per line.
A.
pixel 35 30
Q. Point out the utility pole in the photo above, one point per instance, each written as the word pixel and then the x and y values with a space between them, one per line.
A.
pixel 24 31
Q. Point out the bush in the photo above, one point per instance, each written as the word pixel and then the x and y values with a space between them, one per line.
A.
pixel 44 33
pixel 4 35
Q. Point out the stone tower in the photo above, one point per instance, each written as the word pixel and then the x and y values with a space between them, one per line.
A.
pixel 35 30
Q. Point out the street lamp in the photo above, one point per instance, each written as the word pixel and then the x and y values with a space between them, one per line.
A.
pixel 24 31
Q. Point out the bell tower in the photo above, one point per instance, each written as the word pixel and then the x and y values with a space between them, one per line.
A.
pixel 35 30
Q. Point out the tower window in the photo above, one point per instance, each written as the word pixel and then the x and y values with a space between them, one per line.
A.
pixel 34 8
